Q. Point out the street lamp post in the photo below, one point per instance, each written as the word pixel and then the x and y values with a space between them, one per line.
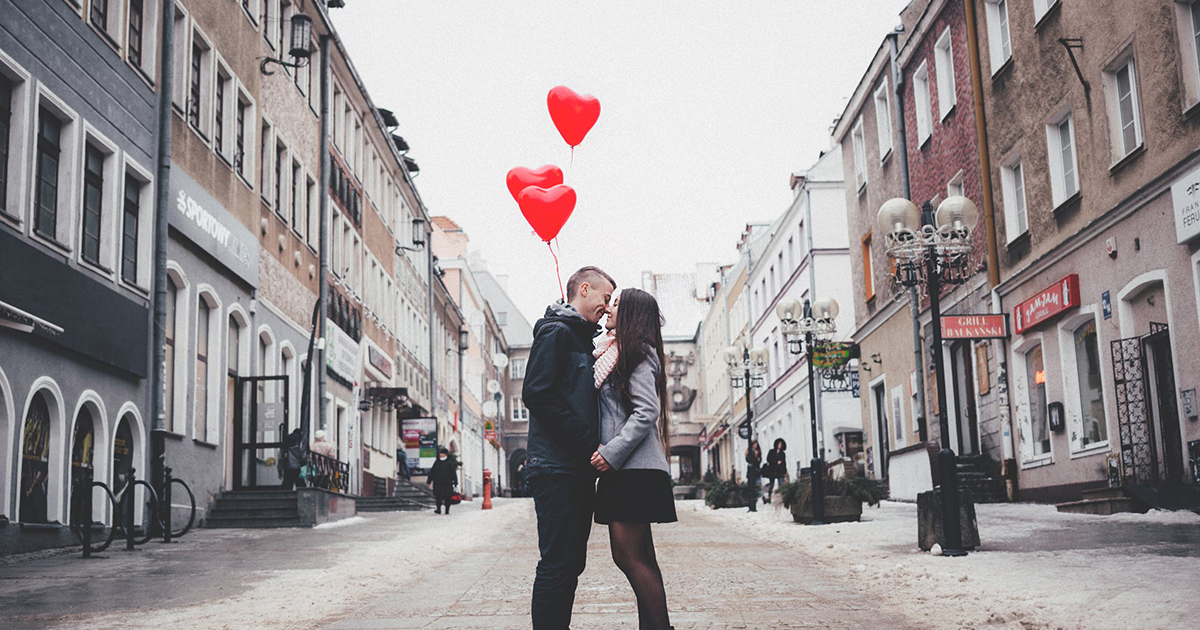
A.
pixel 810 320
pixel 935 254
pixel 746 367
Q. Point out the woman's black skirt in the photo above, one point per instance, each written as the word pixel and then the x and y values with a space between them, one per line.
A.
pixel 635 496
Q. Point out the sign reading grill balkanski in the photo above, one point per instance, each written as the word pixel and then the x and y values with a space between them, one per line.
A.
pixel 975 326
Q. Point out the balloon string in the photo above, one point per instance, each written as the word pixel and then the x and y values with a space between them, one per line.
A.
pixel 557 272
pixel 572 164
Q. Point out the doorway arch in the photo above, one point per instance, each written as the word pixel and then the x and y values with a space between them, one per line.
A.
pixel 40 494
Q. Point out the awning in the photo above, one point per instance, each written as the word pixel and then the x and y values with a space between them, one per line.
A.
pixel 17 319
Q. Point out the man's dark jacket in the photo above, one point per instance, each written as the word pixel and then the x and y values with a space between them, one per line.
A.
pixel 444 476
pixel 564 417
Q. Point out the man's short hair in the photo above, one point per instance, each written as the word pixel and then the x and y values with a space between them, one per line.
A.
pixel 589 275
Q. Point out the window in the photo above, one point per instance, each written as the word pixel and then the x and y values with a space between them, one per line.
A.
pixel 999 44
pixel 883 120
pixel 314 213
pixel 868 268
pixel 233 353
pixel 93 194
pixel 270 21
pixel 129 229
pixel 860 155
pixel 239 157
pixel 203 317
pixel 1187 32
pixel 1012 182
pixel 944 69
pixel 1035 374
pixel 1060 141
pixel 1041 7
pixel 219 143
pixel 49 150
pixel 182 59
pixel 99 14
pixel 954 188
pixel 280 161
pixel 519 412
pixel 169 349
pixel 923 111
pixel 285 18
pixel 264 167
pixel 298 221
pixel 200 84
pixel 1091 389
pixel 136 27
pixel 1124 116
pixel 7 87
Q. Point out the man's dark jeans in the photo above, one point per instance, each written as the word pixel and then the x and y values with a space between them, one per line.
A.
pixel 564 505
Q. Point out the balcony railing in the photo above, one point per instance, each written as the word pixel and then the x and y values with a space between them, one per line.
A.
pixel 327 473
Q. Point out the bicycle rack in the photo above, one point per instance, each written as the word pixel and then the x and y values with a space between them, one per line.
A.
pixel 158 512
pixel 83 530
pixel 166 507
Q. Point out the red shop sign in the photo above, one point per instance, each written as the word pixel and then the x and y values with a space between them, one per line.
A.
pixel 1048 303
pixel 975 326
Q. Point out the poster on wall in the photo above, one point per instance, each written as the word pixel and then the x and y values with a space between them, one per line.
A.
pixel 420 443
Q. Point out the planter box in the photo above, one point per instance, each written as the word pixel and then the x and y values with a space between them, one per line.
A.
pixel 729 502
pixel 837 510
pixel 929 520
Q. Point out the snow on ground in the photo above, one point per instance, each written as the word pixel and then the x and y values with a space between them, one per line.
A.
pixel 353 520
pixel 1036 569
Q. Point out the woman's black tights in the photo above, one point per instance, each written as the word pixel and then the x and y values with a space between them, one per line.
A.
pixel 633 551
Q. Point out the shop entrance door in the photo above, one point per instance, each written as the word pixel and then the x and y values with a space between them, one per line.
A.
pixel 1161 370
pixel 963 384
pixel 260 422
pixel 879 399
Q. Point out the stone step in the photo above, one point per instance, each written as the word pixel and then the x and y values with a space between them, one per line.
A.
pixel 1102 507
pixel 1104 493
pixel 217 522
pixel 243 503
pixel 392 508
pixel 221 511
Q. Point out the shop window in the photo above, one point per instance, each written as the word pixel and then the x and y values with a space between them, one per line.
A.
pixel 1091 389
pixel 171 324
pixel 83 448
pixel 123 454
pixel 35 462
pixel 233 353
pixel 203 352
pixel 1035 373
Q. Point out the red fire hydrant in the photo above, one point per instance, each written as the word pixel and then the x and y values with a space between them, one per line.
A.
pixel 487 489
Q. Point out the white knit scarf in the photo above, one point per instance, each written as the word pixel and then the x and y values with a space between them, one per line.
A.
pixel 606 356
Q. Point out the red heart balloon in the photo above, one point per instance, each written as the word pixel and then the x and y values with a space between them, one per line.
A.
pixel 572 114
pixel 547 209
pixel 521 178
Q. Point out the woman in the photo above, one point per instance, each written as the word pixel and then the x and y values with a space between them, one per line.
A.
pixel 753 473
pixel 635 483
pixel 776 469
pixel 444 477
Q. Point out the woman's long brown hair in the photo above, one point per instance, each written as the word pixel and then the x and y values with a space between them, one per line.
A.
pixel 639 331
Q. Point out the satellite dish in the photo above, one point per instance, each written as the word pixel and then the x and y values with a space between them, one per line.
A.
pixel 500 361
pixel 493 386
pixel 489 409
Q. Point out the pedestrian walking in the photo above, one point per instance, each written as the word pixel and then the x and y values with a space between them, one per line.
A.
pixel 634 489
pixel 775 470
pixel 563 433
pixel 293 459
pixel 443 475
pixel 322 446
pixel 753 473
pixel 402 469
pixel 520 480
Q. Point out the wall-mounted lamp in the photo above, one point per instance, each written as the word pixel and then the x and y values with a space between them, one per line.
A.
pixel 464 339
pixel 418 237
pixel 301 44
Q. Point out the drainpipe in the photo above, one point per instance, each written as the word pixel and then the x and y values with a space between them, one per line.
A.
pixel 161 211
pixel 323 254
pixel 901 150
pixel 993 258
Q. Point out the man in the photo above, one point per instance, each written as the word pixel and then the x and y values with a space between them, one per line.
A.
pixel 443 475
pixel 564 431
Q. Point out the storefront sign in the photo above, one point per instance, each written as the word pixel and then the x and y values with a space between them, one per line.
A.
pixel 1048 303
pixel 1185 198
pixel 379 361
pixel 197 216
pixel 832 355
pixel 975 326
pixel 341 352
pixel 703 439
pixel 420 443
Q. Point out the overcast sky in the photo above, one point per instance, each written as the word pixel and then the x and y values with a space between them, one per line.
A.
pixel 706 110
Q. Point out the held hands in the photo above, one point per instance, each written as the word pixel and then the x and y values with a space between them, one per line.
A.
pixel 599 463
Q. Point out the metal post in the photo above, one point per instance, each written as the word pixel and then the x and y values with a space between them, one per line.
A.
pixel 818 463
pixel 166 504
pixel 85 512
pixel 130 492
pixel 323 245
pixel 749 426
pixel 947 462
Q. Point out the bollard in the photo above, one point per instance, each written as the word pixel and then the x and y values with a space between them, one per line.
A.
pixel 487 489
pixel 85 512
pixel 130 492
pixel 165 502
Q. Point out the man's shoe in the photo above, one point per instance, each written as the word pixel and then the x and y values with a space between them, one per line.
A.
pixel 438 511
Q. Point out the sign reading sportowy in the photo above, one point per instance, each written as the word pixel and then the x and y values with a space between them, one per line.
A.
pixel 1047 303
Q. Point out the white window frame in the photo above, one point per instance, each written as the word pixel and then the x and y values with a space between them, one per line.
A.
pixel 517 369
pixel 208 78
pixel 1187 27
pixel 1112 97
pixel 185 356
pixel 520 413
pixel 216 361
pixel 943 52
pixel 312 195
pixel 151 19
pixel 1060 194
pixel 182 51
pixel 251 10
pixel 250 143
pixel 114 31
pixel 1016 210
pixel 900 425
pixel 70 160
pixel 1072 405
pixel 228 110
pixel 999 29
pixel 883 119
pixel 859 141
pixel 20 143
pixel 1041 8
pixel 145 240
pixel 923 109
pixel 955 186
pixel 108 202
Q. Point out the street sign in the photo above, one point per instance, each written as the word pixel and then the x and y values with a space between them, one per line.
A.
pixel 1048 303
pixel 831 355
pixel 744 430
pixel 975 326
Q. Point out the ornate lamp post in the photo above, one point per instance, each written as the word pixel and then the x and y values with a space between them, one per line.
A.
pixel 933 255
pixel 746 367
pixel 801 325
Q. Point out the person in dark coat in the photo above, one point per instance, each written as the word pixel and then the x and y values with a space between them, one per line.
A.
pixel 292 459
pixel 443 475
pixel 564 432
pixel 776 467
pixel 753 472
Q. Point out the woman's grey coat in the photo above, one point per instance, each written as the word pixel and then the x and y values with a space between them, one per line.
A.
pixel 629 436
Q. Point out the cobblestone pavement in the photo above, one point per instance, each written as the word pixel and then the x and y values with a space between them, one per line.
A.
pixel 405 570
